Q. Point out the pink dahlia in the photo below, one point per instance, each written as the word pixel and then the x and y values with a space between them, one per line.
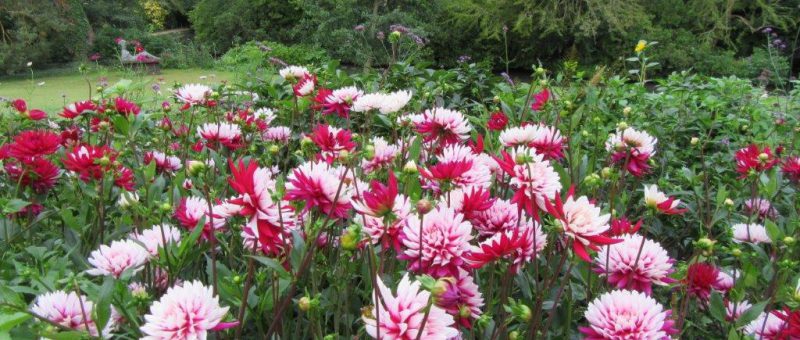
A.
pixel 156 237
pixel 401 315
pixel 518 246
pixel 761 207
pixel 461 298
pixel 751 233
pixel 332 141
pixel 768 326
pixel 187 311
pixel 583 222
pixel 339 101
pixel 34 143
pixel 277 134
pixel 319 186
pixel 69 310
pixel 118 257
pixel 293 73
pixel 700 279
pixel 656 199
pixel 540 99
pixel 632 149
pixel 443 237
pixel 501 216
pixel 547 141
pixel 754 159
pixel 791 169
pixel 385 103
pixel 192 210
pixel 534 180
pixel 459 157
pixel 90 162
pixel 733 310
pixel 497 121
pixel 622 226
pixel 163 162
pixel 40 174
pixel 78 108
pixel 305 86
pixel 228 135
pixel 629 269
pixel 469 201
pixel 443 127
pixel 383 212
pixel 125 107
pixel 193 94
pixel 382 156
pixel 624 314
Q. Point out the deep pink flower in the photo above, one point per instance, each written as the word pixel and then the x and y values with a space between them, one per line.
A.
pixel 632 149
pixel 540 99
pixel 754 159
pixel 20 105
pixel 305 86
pixel 78 108
pixel 37 173
pixel 534 180
pixel 71 136
pixel 332 141
pixel 125 107
pixel 791 168
pixel 621 226
pixel 461 298
pixel 34 143
pixel 123 178
pixel 497 121
pixel 654 198
pixel 629 269
pixel 444 238
pixel 318 185
pixel 90 162
pixel 339 101
pixel 700 279
pixel 36 114
pixel 470 201
pixel 518 245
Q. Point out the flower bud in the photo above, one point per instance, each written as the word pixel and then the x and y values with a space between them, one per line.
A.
pixel 584 133
pixel 195 167
pixel 99 89
pixel 521 159
pixel 496 99
pixel 514 335
pixel 729 202
pixel 736 252
pixel 410 167
pixel 695 140
pixel 789 241
pixel 543 82
pixel 351 237
pixel 607 172
pixel 304 304
pixel 306 141
pixel 424 206
pixel 104 161
pixel 763 156
pixel 369 152
pixel 394 37
pixel 540 70
pixel 274 149
pixel 344 156
pixel 127 199
pixel 627 110
pixel 187 184
pixel 622 125
pixel 705 244
pixel 464 312
pixel 237 279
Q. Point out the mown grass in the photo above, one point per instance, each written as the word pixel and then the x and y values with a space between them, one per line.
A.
pixel 53 89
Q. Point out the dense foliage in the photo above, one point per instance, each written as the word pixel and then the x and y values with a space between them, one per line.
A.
pixel 313 203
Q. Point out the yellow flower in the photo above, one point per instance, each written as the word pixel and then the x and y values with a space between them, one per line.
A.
pixel 640 46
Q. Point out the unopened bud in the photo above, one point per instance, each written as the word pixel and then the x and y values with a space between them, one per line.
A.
pixel 622 125
pixel 729 202
pixel 351 237
pixel 424 206
pixel 540 70
pixel 274 149
pixel 195 167
pixel 736 252
pixel 789 241
pixel 369 152
pixel 127 199
pixel 496 99
pixel 304 303
pixel 410 167
pixel 607 172
pixel 695 140
pixel 627 110
pixel 763 156
pixel 705 243
pixel 514 335
pixel 165 207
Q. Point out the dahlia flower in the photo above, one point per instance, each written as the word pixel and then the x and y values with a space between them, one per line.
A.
pixel 268 223
pixel 628 269
pixel 78 108
pixel 163 162
pixel 656 199
pixel 116 258
pixel 193 94
pixel 724 281
pixel 791 169
pixel 320 185
pixel 305 86
pixel 700 279
pixel 383 156
pixel 332 141
pixel 533 179
pixel 501 216
pixel 518 245
pixel 69 310
pixel 401 315
pixel 34 143
pixel 517 136
pixel 632 149
pixel 624 314
pixel 19 104
pixel 123 178
pixel 443 126
pixel 265 114
pixel 754 159
pixel 458 167
pixel 733 310
pixel 582 221
pixel 193 209
pixel 187 311
pixel 621 226
pixel 229 135
pixel 126 107
pixel 293 72
pixel 156 237
pixel 771 329
pixel 469 201
pixel 547 141
pixel 71 136
pixel 277 134
pixel 443 237
pixel 540 99
pixel 90 162
pixel 339 101
pixel 760 206
pixel 37 173
pixel 460 298
pixel 385 103
pixel 383 212
pixel 497 121
pixel 750 233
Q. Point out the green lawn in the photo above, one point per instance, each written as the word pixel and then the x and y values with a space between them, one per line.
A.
pixel 50 92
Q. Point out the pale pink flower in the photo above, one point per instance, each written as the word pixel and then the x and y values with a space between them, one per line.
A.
pixel 760 206
pixel 624 314
pixel 443 126
pixel 192 209
pixel 724 281
pixel 444 240
pixel 155 237
pixel 653 266
pixel 401 315
pixel 517 136
pixel 385 230
pixel 114 259
pixel 293 72
pixel 477 174
pixel 500 217
pixel 533 178
pixel 188 311
pixel 227 134
pixel 733 310
pixel 631 139
pixel 345 95
pixel 751 233
pixel 385 103
pixel 367 102
pixel 163 162
pixel 193 94
pixel 68 310
pixel 277 134
pixel 266 115
pixel 771 330
pixel 384 155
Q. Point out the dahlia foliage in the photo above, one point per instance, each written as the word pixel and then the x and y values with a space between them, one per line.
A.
pixel 311 204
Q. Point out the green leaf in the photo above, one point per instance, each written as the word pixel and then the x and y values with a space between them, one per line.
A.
pixel 8 321
pixel 15 205
pixel 751 314
pixel 73 335
pixel 271 263
pixel 103 306
pixel 121 124
pixel 717 307
pixel 414 150
pixel 773 231
pixel 191 241
pixel 298 250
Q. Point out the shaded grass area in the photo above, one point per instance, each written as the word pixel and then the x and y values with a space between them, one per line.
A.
pixel 53 89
